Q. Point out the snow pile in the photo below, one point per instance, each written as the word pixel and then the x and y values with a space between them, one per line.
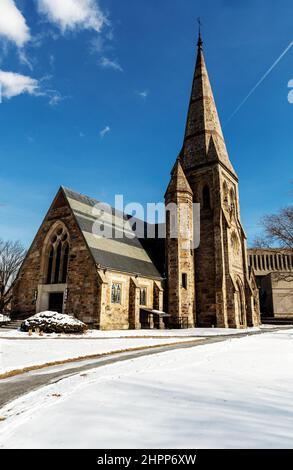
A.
pixel 4 318
pixel 53 322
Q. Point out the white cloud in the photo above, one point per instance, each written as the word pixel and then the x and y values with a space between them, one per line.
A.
pixel 55 98
pixel 14 84
pixel 143 94
pixel 102 42
pixel 97 44
pixel 105 131
pixel 13 25
pixel 107 63
pixel 23 58
pixel 73 14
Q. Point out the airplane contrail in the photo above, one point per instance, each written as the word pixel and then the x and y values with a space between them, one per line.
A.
pixel 260 81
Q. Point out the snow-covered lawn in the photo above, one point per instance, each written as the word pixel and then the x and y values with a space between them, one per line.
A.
pixel 19 350
pixel 193 332
pixel 233 394
pixel 32 351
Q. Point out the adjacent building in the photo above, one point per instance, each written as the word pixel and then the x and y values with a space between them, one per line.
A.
pixel 273 269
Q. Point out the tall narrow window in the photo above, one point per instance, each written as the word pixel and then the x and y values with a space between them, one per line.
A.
pixel 50 265
pixel 184 280
pixel 232 201
pixel 143 296
pixel 116 293
pixel 225 194
pixel 65 263
pixel 57 265
pixel 58 257
pixel 206 198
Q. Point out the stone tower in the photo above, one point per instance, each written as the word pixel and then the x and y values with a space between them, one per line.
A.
pixel 222 290
pixel 180 263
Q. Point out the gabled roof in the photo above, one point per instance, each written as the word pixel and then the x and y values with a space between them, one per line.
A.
pixel 203 141
pixel 124 254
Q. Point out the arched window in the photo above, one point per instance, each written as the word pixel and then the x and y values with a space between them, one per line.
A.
pixel 235 243
pixel 58 256
pixel 241 303
pixel 206 198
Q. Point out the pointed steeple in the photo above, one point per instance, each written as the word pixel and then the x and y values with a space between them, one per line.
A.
pixel 178 181
pixel 199 42
pixel 203 141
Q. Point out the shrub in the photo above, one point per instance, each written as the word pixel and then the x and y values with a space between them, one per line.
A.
pixel 53 322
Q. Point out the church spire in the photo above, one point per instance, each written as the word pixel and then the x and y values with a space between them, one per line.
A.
pixel 203 140
pixel 199 42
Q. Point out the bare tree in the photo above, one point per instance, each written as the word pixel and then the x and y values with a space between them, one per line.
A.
pixel 278 230
pixel 278 234
pixel 11 257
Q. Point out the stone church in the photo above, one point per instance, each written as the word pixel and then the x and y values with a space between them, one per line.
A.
pixel 136 282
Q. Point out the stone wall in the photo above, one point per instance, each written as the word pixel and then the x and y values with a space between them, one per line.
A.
pixel 224 296
pixel 205 254
pixel 277 295
pixel 180 261
pixel 126 314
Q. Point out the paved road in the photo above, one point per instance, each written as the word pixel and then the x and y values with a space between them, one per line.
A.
pixel 14 387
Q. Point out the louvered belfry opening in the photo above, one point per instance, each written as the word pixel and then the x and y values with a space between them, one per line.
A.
pixel 58 255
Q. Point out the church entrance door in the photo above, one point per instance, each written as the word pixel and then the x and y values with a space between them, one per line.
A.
pixel 56 302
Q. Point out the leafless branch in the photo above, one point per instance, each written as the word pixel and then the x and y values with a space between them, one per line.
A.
pixel 278 230
pixel 11 257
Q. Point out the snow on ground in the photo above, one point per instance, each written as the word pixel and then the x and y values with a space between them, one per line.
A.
pixel 191 332
pixel 35 350
pixel 19 350
pixel 233 394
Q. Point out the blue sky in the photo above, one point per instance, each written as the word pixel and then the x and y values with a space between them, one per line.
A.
pixel 97 93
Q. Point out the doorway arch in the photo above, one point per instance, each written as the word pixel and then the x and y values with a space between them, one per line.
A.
pixel 241 304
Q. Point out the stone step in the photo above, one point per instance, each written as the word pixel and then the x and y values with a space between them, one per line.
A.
pixel 11 325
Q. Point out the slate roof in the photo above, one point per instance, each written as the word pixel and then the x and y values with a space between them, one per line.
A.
pixel 128 253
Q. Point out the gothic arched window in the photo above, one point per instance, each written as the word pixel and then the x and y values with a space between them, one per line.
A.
pixel 58 256
pixel 206 198
pixel 235 243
